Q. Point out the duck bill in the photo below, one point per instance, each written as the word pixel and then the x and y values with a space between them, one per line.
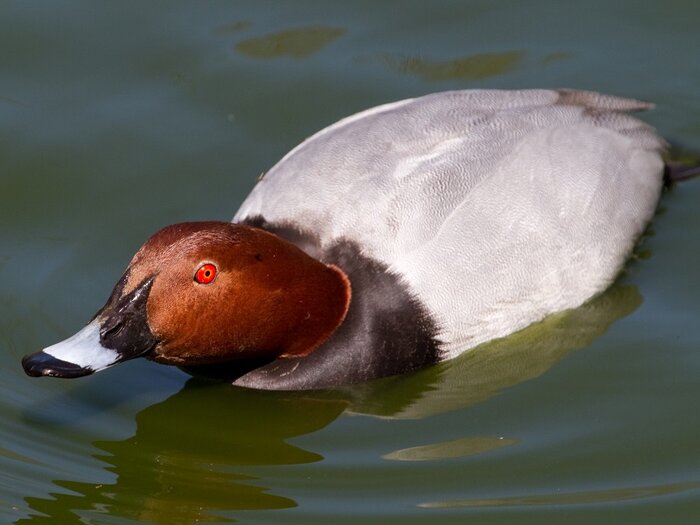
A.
pixel 118 332
pixel 77 356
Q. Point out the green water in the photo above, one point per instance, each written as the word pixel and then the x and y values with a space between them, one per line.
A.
pixel 119 118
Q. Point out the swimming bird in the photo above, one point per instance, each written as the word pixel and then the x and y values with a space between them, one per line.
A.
pixel 393 239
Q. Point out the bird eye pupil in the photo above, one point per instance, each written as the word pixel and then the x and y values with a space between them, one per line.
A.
pixel 205 274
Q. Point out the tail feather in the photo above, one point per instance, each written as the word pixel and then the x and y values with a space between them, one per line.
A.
pixel 681 164
pixel 675 172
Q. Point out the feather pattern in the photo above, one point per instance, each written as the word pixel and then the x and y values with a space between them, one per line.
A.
pixel 495 208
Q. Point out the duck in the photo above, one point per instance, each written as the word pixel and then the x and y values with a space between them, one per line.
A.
pixel 393 239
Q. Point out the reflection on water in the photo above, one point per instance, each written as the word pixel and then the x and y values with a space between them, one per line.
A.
pixel 469 446
pixel 494 366
pixel 294 43
pixel 569 498
pixel 188 457
pixel 471 67
pixel 180 466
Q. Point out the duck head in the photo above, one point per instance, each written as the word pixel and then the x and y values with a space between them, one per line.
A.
pixel 207 292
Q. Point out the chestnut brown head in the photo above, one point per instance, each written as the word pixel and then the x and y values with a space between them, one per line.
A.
pixel 207 292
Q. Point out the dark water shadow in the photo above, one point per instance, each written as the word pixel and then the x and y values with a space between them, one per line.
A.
pixel 191 455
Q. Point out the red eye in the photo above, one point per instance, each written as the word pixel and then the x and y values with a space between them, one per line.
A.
pixel 205 274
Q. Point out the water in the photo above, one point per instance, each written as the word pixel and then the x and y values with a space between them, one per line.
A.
pixel 117 119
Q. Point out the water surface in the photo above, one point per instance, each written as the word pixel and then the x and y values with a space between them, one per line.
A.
pixel 117 119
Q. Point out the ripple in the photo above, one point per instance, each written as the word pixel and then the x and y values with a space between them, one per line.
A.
pixel 468 446
pixel 568 498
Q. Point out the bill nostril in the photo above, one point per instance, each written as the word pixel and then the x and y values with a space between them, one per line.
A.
pixel 112 329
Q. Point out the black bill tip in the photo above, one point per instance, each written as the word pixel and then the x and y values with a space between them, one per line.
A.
pixel 42 364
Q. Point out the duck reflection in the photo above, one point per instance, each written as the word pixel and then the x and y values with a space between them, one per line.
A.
pixel 193 457
pixel 180 466
pixel 480 374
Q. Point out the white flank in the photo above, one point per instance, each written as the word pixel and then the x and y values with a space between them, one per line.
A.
pixel 84 349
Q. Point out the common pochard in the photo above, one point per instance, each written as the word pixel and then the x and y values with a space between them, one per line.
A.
pixel 398 237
